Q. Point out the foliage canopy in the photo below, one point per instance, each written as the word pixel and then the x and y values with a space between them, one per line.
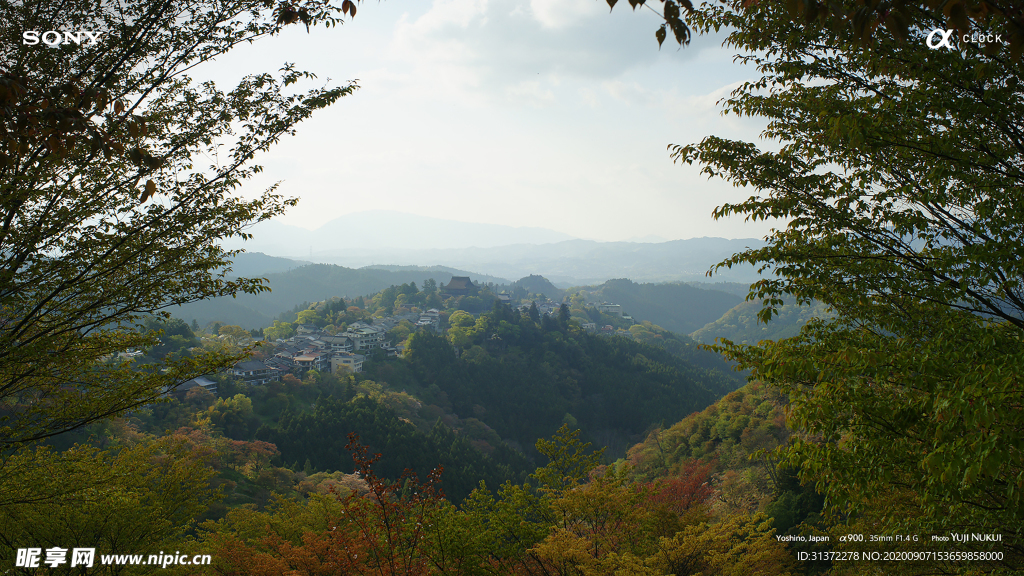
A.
pixel 117 174
pixel 898 178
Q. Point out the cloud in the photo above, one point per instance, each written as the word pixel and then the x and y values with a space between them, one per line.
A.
pixel 495 45
pixel 549 113
pixel 534 93
pixel 558 14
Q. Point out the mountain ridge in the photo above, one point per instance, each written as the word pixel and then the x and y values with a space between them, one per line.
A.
pixel 392 229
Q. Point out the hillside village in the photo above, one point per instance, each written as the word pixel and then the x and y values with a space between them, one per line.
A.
pixel 313 347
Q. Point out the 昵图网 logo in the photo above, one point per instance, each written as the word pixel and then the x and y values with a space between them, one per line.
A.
pixel 54 38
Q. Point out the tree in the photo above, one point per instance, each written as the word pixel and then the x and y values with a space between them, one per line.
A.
pixel 236 333
pixel 563 315
pixel 736 546
pixel 1001 19
pixel 234 416
pixel 382 532
pixel 142 496
pixel 280 330
pixel 106 213
pixel 898 180
pixel 109 211
pixel 310 317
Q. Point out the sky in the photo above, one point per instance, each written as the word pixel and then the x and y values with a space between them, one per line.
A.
pixel 545 113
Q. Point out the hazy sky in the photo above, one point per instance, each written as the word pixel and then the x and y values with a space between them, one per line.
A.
pixel 550 113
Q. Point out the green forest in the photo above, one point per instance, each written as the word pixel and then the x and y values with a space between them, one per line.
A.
pixel 859 413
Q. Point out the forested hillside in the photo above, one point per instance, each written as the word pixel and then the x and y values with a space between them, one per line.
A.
pixel 307 283
pixel 524 378
pixel 741 325
pixel 736 437
pixel 317 439
pixel 679 307
pixel 474 400
pixel 537 284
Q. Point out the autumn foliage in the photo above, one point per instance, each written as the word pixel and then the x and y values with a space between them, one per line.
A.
pixel 574 520
pixel 378 532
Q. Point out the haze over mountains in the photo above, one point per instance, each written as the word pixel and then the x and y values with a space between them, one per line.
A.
pixel 293 282
pixel 381 237
pixel 374 229
pixel 363 253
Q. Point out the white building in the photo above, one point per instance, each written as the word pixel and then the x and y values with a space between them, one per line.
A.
pixel 364 336
pixel 353 362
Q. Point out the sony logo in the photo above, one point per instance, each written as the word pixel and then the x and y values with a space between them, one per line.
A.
pixel 55 38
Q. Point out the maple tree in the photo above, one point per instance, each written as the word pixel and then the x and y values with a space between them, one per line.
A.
pixel 684 495
pixel 383 530
pixel 392 519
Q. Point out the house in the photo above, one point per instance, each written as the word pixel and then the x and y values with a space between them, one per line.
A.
pixel 431 320
pixel 609 308
pixel 198 382
pixel 428 323
pixel 254 372
pixel 301 356
pixel 385 323
pixel 306 329
pixel 410 316
pixel 590 327
pixel 459 286
pixel 353 362
pixel 280 365
pixel 364 336
pixel 548 307
pixel 312 360
pixel 337 343
pixel 287 351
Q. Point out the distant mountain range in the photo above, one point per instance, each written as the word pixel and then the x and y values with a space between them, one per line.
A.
pixel 704 310
pixel 681 308
pixel 294 282
pixel 393 238
pixel 578 262
pixel 257 265
pixel 371 231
